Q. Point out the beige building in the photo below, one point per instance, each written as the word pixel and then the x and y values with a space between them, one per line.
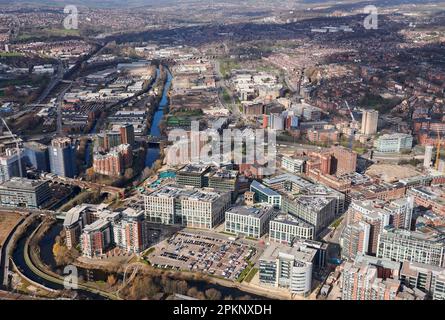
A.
pixel 369 122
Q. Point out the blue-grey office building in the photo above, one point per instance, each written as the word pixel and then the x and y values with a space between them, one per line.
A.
pixel 62 157
pixel 37 156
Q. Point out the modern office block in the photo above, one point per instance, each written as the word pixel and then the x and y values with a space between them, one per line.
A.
pixel 286 229
pixel 26 193
pixel 251 222
pixel 62 158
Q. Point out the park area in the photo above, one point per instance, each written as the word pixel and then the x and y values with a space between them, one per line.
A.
pixel 8 221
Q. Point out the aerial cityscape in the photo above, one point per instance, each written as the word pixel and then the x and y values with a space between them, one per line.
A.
pixel 236 150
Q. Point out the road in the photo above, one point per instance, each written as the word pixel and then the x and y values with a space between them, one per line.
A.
pixel 222 86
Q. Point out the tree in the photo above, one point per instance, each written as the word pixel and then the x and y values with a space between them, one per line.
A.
pixel 9 91
pixel 129 173
pixel 192 292
pixel 111 280
pixel 213 294
pixel 182 287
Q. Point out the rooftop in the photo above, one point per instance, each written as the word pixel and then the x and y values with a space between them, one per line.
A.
pixel 194 169
pixel 22 184
pixel 261 187
pixel 186 193
pixel 301 254
pixel 257 211
pixel 292 220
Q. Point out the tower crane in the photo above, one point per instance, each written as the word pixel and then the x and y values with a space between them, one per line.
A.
pixel 17 146
pixel 438 150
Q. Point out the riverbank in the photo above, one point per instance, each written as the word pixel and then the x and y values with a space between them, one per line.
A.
pixel 36 273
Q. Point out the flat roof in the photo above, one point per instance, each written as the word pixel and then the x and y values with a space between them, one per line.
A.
pixel 22 183
pixel 174 191
pixel 261 187
pixel 301 253
pixel 257 211
pixel 292 220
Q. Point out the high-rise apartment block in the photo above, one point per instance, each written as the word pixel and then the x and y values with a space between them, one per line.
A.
pixel 62 157
pixel 130 233
pixel 114 162
pixel 369 122
pixel 37 155
pixel 369 278
pixel 425 245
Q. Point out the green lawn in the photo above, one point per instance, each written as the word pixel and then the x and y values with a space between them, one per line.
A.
pixel 251 274
pixel 10 54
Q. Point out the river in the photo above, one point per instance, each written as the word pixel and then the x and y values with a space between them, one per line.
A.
pixel 154 152
pixel 19 259
pixel 46 244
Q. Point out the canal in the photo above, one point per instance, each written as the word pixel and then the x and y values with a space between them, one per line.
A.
pixel 154 152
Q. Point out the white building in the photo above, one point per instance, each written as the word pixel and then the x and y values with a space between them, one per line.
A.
pixel 370 120
pixel 187 206
pixel 292 165
pixel 287 267
pixel 249 221
pixel 394 143
pixel 286 228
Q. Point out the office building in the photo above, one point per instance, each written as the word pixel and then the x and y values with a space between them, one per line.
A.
pixel 293 165
pixel 10 164
pixel 265 194
pixel 287 267
pixel 193 175
pixel 317 211
pixel 187 206
pixel 24 193
pixel 251 222
pixel 394 143
pixel 286 229
pixel 293 186
pixel 425 245
pixel 37 156
pixel 369 122
pixel 225 181
pixel 62 158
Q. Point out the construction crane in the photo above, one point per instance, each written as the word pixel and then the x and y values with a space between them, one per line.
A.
pixel 351 136
pixel 17 142
pixel 438 150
